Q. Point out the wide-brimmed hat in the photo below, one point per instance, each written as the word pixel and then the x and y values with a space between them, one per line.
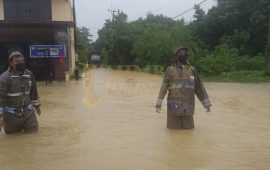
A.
pixel 179 48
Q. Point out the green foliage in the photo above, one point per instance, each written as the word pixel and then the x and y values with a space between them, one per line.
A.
pixel 229 39
pixel 142 42
pixel 241 23
pixel 267 57
pixel 225 60
pixel 237 40
pixel 199 13
pixel 220 62
pixel 155 44
pixel 83 43
pixel 116 41
pixel 240 76
pixel 250 63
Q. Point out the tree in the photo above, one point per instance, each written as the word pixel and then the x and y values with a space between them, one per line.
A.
pixel 83 43
pixel 116 41
pixel 199 13
pixel 230 18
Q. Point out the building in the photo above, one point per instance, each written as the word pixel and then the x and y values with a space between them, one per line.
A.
pixel 24 23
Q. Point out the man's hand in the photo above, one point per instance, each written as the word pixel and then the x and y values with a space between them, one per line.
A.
pixel 1 124
pixel 208 110
pixel 158 109
pixel 38 111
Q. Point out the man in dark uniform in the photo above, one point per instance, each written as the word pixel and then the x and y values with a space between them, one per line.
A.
pixel 183 82
pixel 18 97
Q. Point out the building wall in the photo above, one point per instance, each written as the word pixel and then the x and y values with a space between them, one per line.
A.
pixel 73 55
pixel 1 10
pixel 61 10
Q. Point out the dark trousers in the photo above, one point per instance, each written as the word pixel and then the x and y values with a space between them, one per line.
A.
pixel 26 123
pixel 180 122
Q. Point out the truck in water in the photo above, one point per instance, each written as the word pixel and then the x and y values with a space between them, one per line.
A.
pixel 94 60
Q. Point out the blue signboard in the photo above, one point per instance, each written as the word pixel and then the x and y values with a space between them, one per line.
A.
pixel 47 51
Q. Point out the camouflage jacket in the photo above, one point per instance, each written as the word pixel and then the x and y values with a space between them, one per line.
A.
pixel 17 92
pixel 182 83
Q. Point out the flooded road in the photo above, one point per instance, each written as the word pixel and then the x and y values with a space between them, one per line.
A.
pixel 107 121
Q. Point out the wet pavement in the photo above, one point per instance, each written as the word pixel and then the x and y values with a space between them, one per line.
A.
pixel 107 121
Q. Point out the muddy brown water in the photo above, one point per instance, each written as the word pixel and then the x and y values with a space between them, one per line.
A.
pixel 107 121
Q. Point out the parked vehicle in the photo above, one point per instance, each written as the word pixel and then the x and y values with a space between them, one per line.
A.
pixel 94 60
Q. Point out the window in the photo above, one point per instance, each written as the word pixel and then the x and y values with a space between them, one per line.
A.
pixel 27 9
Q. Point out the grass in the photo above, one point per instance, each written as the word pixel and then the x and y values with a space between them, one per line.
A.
pixel 240 76
pixel 237 76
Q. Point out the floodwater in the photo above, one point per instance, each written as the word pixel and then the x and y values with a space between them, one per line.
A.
pixel 107 121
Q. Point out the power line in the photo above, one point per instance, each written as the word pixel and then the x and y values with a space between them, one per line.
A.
pixel 188 10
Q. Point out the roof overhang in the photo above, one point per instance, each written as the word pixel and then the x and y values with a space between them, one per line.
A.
pixel 4 23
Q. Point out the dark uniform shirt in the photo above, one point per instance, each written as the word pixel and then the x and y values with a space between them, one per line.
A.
pixel 182 83
pixel 17 93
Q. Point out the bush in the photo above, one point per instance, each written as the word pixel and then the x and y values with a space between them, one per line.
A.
pixel 220 62
pixel 250 63
pixel 241 76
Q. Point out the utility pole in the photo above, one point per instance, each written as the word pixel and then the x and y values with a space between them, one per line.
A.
pixel 75 43
pixel 267 50
pixel 269 27
pixel 113 13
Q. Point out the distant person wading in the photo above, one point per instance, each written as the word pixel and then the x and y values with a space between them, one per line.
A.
pixel 18 97
pixel 182 82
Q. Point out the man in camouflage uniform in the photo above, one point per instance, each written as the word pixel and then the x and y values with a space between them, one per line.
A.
pixel 18 97
pixel 183 82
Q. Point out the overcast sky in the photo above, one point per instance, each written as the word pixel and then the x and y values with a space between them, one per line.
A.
pixel 93 13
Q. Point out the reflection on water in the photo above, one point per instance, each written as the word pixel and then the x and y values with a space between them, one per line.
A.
pixel 107 121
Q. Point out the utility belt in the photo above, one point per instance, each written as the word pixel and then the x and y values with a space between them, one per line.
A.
pixel 18 111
